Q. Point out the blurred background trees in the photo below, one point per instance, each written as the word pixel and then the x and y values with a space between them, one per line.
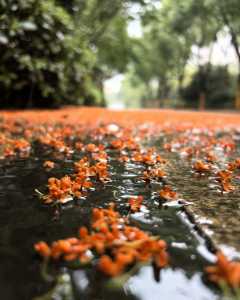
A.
pixel 59 52
pixel 219 88
pixel 62 52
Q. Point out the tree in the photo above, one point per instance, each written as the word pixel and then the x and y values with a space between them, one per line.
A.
pixel 113 52
pixel 228 14
pixel 34 43
pixel 58 51
pixel 219 89
pixel 196 22
pixel 161 55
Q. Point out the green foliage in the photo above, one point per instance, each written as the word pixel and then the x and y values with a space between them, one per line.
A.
pixel 228 12
pixel 195 19
pixel 114 47
pixel 162 55
pixel 34 45
pixel 59 52
pixel 219 89
pixel 56 52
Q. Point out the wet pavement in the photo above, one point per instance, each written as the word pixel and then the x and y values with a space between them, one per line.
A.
pixel 203 218
pixel 24 221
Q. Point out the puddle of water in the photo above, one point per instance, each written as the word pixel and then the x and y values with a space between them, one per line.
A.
pixel 172 283
pixel 24 221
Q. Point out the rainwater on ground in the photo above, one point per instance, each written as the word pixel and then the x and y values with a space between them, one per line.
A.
pixel 25 220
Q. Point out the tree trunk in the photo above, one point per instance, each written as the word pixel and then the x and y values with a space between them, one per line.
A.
pixel 234 41
pixel 202 101
pixel 101 88
pixel 159 92
pixel 180 85
pixel 202 85
pixel 30 100
pixel 162 91
pixel 237 96
pixel 147 97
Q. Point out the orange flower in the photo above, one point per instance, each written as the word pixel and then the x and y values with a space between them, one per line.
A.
pixel 156 174
pixel 125 255
pixel 135 203
pixel 232 166
pixel 161 257
pixel 237 163
pixel 43 249
pixel 137 157
pixel 48 164
pixel 210 157
pixel 20 144
pixel 225 177
pixel 167 193
pixel 124 158
pixel 117 144
pixel 227 186
pixel 8 152
pixel 167 147
pixel 100 156
pixel 92 148
pixel 201 167
pixel 83 232
pixel 109 267
pixel 159 159
pixel 78 145
pixel 224 270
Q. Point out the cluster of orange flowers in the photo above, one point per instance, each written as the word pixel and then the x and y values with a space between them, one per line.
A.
pixel 117 244
pixel 11 147
pixel 84 170
pixel 55 140
pixel 224 271
pixel 207 152
pixel 153 174
pixel 150 157
pixel 62 190
pixel 224 177
pixel 125 142
pixel 66 188
pixel 153 163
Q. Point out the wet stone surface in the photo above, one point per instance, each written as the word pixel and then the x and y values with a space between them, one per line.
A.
pixel 24 221
pixel 216 212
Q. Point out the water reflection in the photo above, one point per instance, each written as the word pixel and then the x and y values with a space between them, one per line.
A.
pixel 174 284
pixel 24 221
